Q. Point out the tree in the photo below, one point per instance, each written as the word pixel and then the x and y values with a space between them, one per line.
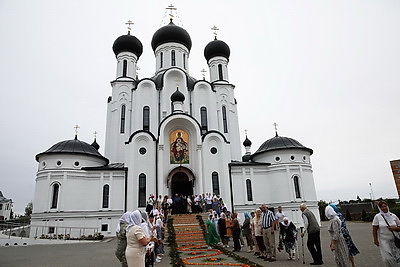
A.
pixel 348 215
pixel 28 209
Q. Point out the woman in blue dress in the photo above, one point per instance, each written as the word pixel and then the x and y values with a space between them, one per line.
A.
pixel 349 242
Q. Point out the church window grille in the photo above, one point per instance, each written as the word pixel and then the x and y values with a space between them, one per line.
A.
pixel 146 118
pixel 106 196
pixel 296 186
pixel 220 73
pixel 184 61
pixel 215 183
pixel 104 227
pixel 123 109
pixel 173 58
pixel 142 190
pixel 51 230
pixel 59 163
pixel 124 68
pixel 203 116
pixel 224 119
pixel 54 200
pixel 213 150
pixel 161 59
pixel 142 150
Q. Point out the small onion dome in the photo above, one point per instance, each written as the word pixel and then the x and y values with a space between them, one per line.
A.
pixel 246 142
pixel 216 48
pixel 279 143
pixel 128 43
pixel 177 96
pixel 95 144
pixel 171 34
pixel 74 146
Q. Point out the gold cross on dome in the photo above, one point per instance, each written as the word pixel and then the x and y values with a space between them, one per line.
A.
pixel 177 82
pixel 276 128
pixel 203 71
pixel 95 134
pixel 245 131
pixel 129 23
pixel 215 29
pixel 171 8
pixel 76 129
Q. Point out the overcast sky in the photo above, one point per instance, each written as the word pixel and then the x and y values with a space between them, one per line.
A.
pixel 328 72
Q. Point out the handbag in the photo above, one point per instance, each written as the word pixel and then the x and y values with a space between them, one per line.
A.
pixel 396 239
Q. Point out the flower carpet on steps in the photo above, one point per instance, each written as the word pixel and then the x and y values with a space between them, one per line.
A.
pixel 192 245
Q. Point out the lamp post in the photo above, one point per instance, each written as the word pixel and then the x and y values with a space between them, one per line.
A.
pixel 372 192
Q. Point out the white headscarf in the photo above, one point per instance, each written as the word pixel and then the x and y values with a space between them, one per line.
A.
pixel 388 216
pixel 288 221
pixel 124 219
pixel 135 218
pixel 330 213
pixel 145 223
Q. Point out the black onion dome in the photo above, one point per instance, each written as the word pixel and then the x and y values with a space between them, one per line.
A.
pixel 171 34
pixel 247 142
pixel 177 96
pixel 95 144
pixel 128 43
pixel 216 48
pixel 74 146
pixel 279 143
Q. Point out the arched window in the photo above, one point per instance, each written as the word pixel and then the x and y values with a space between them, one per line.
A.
pixel 203 118
pixel 224 119
pixel 54 199
pixel 124 68
pixel 161 59
pixel 122 129
pixel 296 186
pixel 146 118
pixel 173 58
pixel 220 73
pixel 249 190
pixel 142 190
pixel 106 196
pixel 215 183
pixel 184 60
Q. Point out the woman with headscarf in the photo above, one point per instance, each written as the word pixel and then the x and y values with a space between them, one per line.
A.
pixel 246 231
pixel 338 245
pixel 288 233
pixel 212 235
pixel 136 241
pixel 121 236
pixel 222 230
pixel 383 225
pixel 346 234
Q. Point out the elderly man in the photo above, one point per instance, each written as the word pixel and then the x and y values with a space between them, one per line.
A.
pixel 311 227
pixel 268 224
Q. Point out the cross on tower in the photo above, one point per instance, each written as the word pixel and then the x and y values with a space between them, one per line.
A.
pixel 203 71
pixel 171 8
pixel 76 131
pixel 95 134
pixel 177 82
pixel 129 23
pixel 245 131
pixel 215 29
pixel 276 128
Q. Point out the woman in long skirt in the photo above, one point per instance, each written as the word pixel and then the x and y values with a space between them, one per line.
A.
pixel 338 244
pixel 353 250
pixel 384 235
pixel 121 236
pixel 288 233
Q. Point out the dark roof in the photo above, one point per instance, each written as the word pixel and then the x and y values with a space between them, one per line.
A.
pixel 216 48
pixel 95 145
pixel 128 43
pixel 112 166
pixel 3 199
pixel 171 34
pixel 177 96
pixel 74 146
pixel 281 142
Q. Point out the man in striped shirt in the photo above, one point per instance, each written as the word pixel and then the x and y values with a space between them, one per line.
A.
pixel 268 224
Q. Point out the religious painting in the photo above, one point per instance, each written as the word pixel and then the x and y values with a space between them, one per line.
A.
pixel 179 152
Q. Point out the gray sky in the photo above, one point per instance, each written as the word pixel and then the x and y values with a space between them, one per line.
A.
pixel 328 72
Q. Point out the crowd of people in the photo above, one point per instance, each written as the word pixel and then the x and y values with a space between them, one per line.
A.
pixel 141 233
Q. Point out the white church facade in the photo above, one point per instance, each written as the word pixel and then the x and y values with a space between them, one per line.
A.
pixel 167 134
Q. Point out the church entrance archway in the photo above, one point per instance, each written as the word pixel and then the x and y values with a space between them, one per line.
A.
pixel 181 181
pixel 181 184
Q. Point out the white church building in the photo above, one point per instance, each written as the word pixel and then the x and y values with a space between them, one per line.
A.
pixel 167 134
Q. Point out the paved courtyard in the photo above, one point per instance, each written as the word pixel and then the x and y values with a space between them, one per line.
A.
pixel 102 253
